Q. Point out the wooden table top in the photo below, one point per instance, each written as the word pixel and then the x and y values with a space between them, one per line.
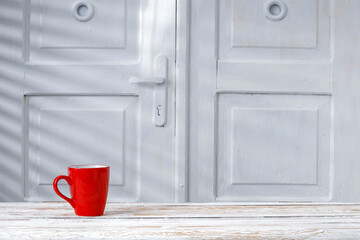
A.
pixel 56 220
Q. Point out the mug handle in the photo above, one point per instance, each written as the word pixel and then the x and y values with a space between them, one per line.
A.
pixel 68 180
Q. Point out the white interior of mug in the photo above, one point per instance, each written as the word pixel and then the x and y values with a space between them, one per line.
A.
pixel 89 166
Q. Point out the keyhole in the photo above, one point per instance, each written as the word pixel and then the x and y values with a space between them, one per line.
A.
pixel 158 108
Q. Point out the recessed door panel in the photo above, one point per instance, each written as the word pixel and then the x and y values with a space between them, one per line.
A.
pixel 273 145
pixel 274 30
pixel 83 31
pixel 75 130
pixel 287 24
pixel 260 50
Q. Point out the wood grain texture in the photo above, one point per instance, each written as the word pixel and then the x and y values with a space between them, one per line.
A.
pixel 182 221
pixel 272 77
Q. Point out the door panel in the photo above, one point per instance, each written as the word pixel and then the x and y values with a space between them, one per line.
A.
pixel 80 106
pixel 83 130
pixel 246 32
pixel 249 28
pixel 262 94
pixel 292 54
pixel 57 33
pixel 272 145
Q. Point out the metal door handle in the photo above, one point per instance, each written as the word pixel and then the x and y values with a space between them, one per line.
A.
pixel 160 89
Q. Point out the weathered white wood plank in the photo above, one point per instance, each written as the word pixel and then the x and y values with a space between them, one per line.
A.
pixel 183 221
pixel 292 228
pixel 149 210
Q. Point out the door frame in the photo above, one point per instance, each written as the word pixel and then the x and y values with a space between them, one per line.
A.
pixel 182 100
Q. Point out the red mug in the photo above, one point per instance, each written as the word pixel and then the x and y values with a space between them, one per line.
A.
pixel 88 187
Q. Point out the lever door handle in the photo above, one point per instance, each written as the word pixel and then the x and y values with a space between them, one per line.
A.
pixel 156 80
pixel 160 89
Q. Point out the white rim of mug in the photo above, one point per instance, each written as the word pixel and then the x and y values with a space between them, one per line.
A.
pixel 88 166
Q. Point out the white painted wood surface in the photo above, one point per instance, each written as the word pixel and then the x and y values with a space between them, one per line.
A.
pixel 48 56
pixel 309 61
pixel 182 221
pixel 242 145
pixel 79 106
pixel 182 100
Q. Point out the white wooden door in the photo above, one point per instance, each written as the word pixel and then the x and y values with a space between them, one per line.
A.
pixel 273 97
pixel 80 104
pixel 274 93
